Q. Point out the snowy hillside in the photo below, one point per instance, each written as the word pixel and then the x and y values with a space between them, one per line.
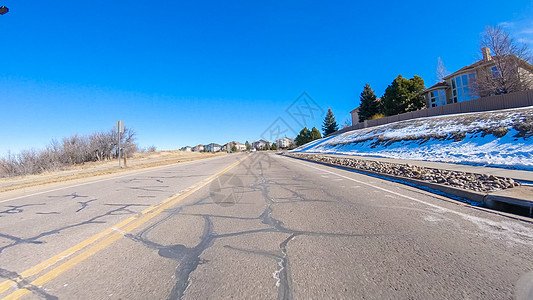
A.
pixel 499 138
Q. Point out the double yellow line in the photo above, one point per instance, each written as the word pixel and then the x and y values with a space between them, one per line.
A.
pixel 111 235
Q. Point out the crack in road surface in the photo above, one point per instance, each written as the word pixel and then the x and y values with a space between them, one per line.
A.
pixel 189 257
pixel 25 284
pixel 17 209
pixel 122 209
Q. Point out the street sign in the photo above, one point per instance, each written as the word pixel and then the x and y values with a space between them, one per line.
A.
pixel 120 132
pixel 120 127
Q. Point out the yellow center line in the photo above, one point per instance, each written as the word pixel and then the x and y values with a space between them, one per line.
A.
pixel 4 286
pixel 126 226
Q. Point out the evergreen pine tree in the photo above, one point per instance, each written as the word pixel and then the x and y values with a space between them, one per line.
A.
pixel 303 137
pixel 416 98
pixel 274 146
pixel 403 95
pixel 248 146
pixel 392 98
pixel 315 134
pixel 370 105
pixel 330 125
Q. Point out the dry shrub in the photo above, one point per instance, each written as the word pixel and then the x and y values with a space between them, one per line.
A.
pixel 376 116
pixel 500 131
pixel 458 136
pixel 525 128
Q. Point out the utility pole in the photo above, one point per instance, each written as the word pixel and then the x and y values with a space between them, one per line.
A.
pixel 120 131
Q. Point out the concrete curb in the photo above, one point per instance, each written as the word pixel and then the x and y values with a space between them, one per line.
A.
pixel 490 200
pixel 519 197
pixel 508 199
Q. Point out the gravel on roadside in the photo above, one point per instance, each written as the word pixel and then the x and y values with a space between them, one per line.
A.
pixel 469 181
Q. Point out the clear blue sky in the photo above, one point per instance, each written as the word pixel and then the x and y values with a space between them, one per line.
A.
pixel 189 72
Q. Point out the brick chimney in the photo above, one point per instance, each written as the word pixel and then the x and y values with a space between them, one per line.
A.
pixel 486 53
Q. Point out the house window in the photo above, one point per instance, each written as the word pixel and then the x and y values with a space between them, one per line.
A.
pixel 495 72
pixel 437 98
pixel 463 88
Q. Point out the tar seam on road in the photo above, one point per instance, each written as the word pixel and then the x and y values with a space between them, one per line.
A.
pixel 128 225
pixel 189 257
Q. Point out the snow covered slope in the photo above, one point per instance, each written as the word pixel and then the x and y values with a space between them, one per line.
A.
pixel 501 138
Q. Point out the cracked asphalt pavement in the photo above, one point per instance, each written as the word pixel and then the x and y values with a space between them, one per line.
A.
pixel 269 227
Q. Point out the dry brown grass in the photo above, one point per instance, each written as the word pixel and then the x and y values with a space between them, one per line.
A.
pixel 525 128
pixel 87 170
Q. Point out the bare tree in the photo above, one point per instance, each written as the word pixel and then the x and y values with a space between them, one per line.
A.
pixel 129 141
pixel 441 70
pixel 347 122
pixel 508 69
pixel 72 150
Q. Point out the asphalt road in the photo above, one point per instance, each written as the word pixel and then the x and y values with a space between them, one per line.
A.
pixel 258 226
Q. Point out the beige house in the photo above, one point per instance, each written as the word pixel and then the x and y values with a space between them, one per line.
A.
pixel 240 146
pixel 355 116
pixel 468 82
pixel 284 142
pixel 260 145
pixel 198 148
pixel 227 147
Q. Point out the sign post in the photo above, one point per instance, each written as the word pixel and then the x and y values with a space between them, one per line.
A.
pixel 120 131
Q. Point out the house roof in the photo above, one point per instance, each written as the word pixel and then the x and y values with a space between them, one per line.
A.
pixel 468 68
pixel 357 109
pixel 437 86
pixel 526 64
pixel 482 62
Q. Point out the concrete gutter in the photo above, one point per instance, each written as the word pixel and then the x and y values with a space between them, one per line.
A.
pixel 521 196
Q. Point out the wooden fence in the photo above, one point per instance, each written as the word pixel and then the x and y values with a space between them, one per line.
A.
pixel 514 100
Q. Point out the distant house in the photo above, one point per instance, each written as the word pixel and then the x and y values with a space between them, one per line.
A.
pixel 227 147
pixel 466 83
pixel 198 148
pixel 213 147
pixel 186 149
pixel 260 145
pixel 284 142
pixel 239 146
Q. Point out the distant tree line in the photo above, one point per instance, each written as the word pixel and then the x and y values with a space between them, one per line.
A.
pixel 76 149
pixel 269 146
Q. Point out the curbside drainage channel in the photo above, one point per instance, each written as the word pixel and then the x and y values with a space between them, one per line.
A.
pixel 506 195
